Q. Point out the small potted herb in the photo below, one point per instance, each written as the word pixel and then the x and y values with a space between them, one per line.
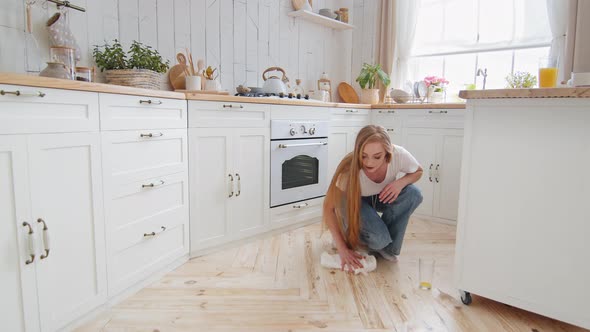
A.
pixel 367 79
pixel 141 66
pixel 521 80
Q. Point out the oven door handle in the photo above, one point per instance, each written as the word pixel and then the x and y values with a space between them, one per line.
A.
pixel 284 146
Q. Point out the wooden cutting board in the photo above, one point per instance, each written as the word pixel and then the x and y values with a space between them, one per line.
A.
pixel 176 76
pixel 347 93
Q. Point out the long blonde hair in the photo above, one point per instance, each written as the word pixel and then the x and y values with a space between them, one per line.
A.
pixel 348 172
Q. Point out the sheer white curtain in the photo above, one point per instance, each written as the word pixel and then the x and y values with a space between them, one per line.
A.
pixel 558 20
pixel 406 17
pixel 385 38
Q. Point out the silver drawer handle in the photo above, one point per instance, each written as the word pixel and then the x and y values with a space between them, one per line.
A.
pixel 31 243
pixel 151 102
pixel 239 184
pixel 46 239
pixel 150 135
pixel 232 106
pixel 438 112
pixel 352 111
pixel 284 146
pixel 388 129
pixel 151 185
pixel 24 94
pixel 162 228
pixel 231 186
pixel 389 111
pixel 300 206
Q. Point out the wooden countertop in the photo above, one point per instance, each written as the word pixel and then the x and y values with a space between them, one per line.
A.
pixel 420 106
pixel 579 92
pixel 46 82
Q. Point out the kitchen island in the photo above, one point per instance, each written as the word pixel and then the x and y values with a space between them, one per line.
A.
pixel 523 218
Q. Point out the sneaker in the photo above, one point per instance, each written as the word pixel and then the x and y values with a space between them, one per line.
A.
pixel 387 256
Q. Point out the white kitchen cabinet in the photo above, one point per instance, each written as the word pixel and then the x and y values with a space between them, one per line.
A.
pixel 56 181
pixel 340 143
pixel 390 119
pixel 146 203
pixel 123 112
pixel 229 179
pixel 522 231
pixel 33 110
pixel 145 165
pixel 439 153
pixel 345 124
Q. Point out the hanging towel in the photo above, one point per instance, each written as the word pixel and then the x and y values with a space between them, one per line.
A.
pixel 332 261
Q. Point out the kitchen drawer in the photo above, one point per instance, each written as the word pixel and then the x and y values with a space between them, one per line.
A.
pixel 294 213
pixel 147 227
pixel 122 112
pixel 42 110
pixel 135 155
pixel 349 117
pixel 434 118
pixel 228 114
pixel 128 267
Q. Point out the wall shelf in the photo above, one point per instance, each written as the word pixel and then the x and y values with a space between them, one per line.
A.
pixel 319 19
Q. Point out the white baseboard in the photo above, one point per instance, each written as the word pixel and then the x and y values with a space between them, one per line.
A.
pixel 237 243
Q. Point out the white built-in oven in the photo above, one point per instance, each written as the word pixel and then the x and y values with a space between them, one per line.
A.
pixel 298 160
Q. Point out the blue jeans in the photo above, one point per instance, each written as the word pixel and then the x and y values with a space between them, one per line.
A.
pixel 387 232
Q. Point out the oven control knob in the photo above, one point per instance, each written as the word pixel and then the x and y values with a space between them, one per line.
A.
pixel 312 131
pixel 303 129
pixel 292 132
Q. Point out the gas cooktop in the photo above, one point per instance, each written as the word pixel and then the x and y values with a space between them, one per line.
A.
pixel 279 95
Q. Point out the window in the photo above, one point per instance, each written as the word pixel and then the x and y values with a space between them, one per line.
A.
pixel 456 37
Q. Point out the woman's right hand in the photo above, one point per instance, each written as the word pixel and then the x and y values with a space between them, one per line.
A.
pixel 351 258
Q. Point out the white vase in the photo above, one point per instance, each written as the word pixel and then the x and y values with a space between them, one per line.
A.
pixel 212 85
pixel 193 83
pixel 435 97
pixel 370 96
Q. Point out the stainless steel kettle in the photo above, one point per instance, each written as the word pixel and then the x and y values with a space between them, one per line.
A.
pixel 274 84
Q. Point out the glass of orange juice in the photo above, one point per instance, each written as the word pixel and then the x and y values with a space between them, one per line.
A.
pixel 548 72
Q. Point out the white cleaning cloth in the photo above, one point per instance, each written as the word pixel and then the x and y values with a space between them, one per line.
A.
pixel 332 261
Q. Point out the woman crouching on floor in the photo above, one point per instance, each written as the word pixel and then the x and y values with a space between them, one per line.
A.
pixel 365 183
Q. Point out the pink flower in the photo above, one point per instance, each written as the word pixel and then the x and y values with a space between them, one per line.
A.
pixel 434 80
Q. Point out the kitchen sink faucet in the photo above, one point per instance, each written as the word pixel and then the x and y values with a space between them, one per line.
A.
pixel 483 73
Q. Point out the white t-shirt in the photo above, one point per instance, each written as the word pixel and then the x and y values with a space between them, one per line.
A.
pixel 401 162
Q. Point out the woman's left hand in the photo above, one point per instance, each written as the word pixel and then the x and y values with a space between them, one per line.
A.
pixel 390 192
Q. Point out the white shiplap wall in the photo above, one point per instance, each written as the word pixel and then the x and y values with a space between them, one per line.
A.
pixel 242 38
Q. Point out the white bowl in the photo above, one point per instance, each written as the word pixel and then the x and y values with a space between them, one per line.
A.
pixel 400 96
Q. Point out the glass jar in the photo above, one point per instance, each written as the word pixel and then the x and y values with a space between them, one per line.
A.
pixel 65 55
pixel 85 74
pixel 55 70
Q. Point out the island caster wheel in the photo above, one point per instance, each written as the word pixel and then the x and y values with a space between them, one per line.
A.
pixel 465 297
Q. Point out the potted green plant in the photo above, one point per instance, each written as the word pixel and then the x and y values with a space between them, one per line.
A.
pixel 367 79
pixel 140 67
pixel 521 80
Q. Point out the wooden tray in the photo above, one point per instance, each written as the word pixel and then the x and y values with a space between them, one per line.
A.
pixel 205 92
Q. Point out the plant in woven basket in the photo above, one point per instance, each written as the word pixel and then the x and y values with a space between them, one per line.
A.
pixel 140 67
pixel 139 56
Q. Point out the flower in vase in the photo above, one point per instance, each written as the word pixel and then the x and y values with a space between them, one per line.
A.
pixel 438 83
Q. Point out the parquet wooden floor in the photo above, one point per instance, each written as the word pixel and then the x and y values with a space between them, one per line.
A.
pixel 277 284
